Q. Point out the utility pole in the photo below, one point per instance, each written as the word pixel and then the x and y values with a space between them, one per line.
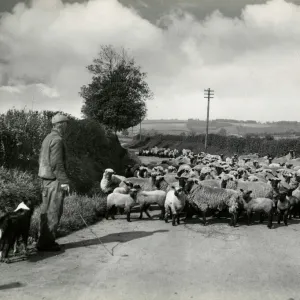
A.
pixel 141 130
pixel 208 94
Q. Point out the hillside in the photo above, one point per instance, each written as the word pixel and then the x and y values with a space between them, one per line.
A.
pixel 228 127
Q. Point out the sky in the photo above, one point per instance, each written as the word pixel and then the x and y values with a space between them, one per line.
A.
pixel 248 52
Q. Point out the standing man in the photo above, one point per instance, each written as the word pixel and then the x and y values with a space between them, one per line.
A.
pixel 55 183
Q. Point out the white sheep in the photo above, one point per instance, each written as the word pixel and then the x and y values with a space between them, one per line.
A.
pixel 175 203
pixel 124 189
pixel 110 181
pixel 148 198
pixel 121 201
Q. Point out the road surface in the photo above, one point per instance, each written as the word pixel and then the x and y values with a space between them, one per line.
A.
pixel 154 260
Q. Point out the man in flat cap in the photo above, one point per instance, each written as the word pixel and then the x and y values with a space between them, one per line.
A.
pixel 55 183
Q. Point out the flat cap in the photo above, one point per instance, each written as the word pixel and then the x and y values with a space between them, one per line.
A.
pixel 58 118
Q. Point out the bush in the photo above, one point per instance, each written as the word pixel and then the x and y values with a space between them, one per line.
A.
pixel 90 208
pixel 90 148
pixel 17 186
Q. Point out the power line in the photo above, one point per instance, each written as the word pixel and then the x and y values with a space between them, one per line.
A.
pixel 208 94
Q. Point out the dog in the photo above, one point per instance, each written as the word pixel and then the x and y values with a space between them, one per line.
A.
pixel 14 225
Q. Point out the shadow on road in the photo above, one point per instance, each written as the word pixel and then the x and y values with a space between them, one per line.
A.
pixel 12 285
pixel 121 237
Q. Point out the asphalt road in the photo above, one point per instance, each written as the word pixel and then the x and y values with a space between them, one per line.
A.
pixel 154 260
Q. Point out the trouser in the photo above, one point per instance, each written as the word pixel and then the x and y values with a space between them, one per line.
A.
pixel 51 211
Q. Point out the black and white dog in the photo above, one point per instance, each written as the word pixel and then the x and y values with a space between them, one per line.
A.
pixel 14 225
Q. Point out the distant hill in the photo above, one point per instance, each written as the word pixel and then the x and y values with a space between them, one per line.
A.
pixel 281 129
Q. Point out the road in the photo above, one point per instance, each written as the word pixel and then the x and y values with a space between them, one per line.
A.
pixel 154 260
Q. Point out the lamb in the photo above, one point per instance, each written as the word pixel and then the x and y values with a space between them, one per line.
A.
pixel 147 198
pixel 124 189
pixel 122 201
pixel 204 198
pixel 175 203
pixel 110 181
pixel 261 205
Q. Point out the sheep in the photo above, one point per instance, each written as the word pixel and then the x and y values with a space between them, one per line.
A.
pixel 260 205
pixel 122 201
pixel 204 198
pixel 294 205
pixel 110 181
pixel 175 203
pixel 259 189
pixel 147 184
pixel 124 189
pixel 146 198
pixel 283 208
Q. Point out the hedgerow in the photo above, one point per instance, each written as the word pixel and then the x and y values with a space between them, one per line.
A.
pixel 217 144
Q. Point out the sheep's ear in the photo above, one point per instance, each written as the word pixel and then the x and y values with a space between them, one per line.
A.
pixel 242 190
pixel 249 192
pixel 173 187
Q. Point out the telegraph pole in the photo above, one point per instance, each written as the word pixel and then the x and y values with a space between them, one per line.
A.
pixel 208 94
pixel 141 130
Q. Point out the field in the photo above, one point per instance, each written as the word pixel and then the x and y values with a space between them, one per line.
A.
pixel 232 128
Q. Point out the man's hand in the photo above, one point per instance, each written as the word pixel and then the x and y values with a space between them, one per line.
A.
pixel 66 187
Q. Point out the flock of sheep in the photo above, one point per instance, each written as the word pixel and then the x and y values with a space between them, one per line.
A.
pixel 207 185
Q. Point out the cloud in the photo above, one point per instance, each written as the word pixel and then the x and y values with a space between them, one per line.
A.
pixel 251 62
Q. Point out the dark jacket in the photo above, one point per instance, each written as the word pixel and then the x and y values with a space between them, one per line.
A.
pixel 52 161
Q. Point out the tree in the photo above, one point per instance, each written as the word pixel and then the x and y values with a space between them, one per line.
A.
pixel 117 95
pixel 223 132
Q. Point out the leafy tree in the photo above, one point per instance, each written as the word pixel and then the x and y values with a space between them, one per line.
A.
pixel 117 94
pixel 223 131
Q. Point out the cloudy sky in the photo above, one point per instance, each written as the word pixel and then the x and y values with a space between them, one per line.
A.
pixel 248 51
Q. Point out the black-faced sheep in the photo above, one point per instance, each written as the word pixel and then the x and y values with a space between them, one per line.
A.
pixel 121 201
pixel 263 206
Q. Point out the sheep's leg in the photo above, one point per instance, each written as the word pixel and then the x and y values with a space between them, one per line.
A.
pixel 167 209
pixel 204 218
pixel 270 219
pixel 141 211
pixel 173 219
pixel 285 217
pixel 234 219
pixel 113 212
pixel 107 213
pixel 249 215
pixel 162 213
pixel 147 212
pixel 278 217
pixel 128 214
pixel 178 219
pixel 261 217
